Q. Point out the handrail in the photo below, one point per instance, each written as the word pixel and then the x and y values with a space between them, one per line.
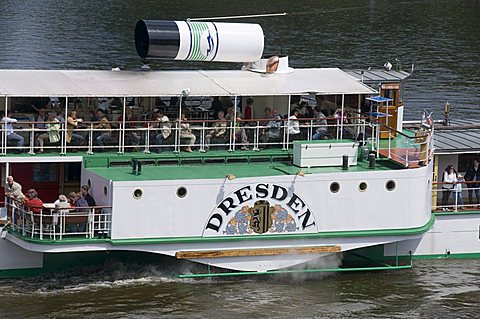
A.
pixel 90 222
pixel 453 199
pixel 245 132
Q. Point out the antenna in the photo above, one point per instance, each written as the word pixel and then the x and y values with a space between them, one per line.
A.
pixel 240 17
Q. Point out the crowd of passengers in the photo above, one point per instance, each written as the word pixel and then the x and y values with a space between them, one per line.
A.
pixel 50 119
pixel 74 202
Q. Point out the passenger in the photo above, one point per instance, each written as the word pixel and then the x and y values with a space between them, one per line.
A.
pixel 130 126
pixel 216 107
pixel 33 203
pixel 41 119
pixel 473 175
pixel 104 126
pixel 53 131
pixel 165 129
pixel 186 133
pixel 11 135
pixel 62 202
pixel 81 202
pixel 293 124
pixel 320 124
pixel 248 112
pixel 13 189
pixel 87 196
pixel 457 191
pixel 72 198
pixel 273 123
pixel 219 130
pixel 72 123
pixel 239 132
pixel 449 180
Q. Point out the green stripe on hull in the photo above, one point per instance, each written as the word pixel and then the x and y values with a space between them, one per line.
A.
pixel 174 240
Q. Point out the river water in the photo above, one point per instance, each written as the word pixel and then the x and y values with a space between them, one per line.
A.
pixel 440 37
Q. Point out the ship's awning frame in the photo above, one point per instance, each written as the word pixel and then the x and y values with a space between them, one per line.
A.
pixel 85 83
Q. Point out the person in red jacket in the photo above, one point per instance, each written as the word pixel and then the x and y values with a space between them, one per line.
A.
pixel 33 203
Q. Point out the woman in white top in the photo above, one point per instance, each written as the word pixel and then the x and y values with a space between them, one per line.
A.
pixel 449 180
pixel 293 124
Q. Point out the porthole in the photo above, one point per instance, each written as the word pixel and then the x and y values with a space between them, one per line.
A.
pixel 137 193
pixel 181 192
pixel 362 186
pixel 105 190
pixel 89 183
pixel 390 185
pixel 334 187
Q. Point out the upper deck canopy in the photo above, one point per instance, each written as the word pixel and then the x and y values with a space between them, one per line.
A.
pixel 84 83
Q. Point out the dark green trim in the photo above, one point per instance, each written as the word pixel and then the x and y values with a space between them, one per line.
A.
pixel 448 256
pixel 173 240
pixel 471 212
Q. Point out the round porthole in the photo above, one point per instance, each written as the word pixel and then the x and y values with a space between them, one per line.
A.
pixel 334 187
pixel 362 186
pixel 89 183
pixel 105 190
pixel 181 192
pixel 390 185
pixel 138 193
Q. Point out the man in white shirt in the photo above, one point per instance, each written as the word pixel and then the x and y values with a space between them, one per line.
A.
pixel 11 135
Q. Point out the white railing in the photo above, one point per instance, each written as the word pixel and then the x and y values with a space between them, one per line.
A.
pixel 454 197
pixel 141 135
pixel 407 150
pixel 57 223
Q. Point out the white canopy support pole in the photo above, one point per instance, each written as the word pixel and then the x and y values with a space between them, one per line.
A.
pixel 234 122
pixel 65 119
pixel 121 136
pixel 178 140
pixel 359 112
pixel 285 145
pixel 4 136
pixel 342 117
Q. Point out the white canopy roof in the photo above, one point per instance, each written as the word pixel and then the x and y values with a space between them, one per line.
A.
pixel 83 83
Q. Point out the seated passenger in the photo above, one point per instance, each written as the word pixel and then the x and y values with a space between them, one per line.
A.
pixel 53 131
pixel 240 135
pixel 130 126
pixel 11 135
pixel 320 125
pixel 33 203
pixel 72 123
pixel 165 129
pixel 273 123
pixel 104 126
pixel 293 124
pixel 219 130
pixel 186 133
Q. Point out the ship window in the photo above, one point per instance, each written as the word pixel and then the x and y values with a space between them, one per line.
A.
pixel 334 187
pixel 362 186
pixel 390 185
pixel 137 194
pixel 181 192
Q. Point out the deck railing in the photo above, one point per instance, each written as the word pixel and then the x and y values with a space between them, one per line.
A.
pixel 402 148
pixel 57 223
pixel 253 134
pixel 455 197
pixel 141 135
